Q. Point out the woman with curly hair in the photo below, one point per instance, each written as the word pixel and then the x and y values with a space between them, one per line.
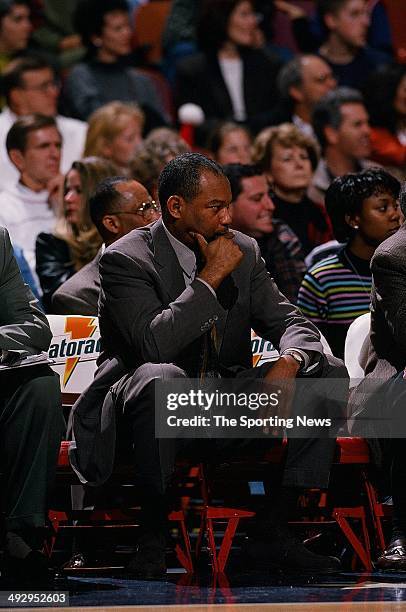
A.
pixel 75 240
pixel 289 158
pixel 364 211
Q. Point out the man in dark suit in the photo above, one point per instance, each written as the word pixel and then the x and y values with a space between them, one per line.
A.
pixel 31 423
pixel 381 396
pixel 80 293
pixel 157 309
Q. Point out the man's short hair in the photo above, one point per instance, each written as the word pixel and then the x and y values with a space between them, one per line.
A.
pixel 12 76
pixel 106 200
pixel 89 15
pixel 181 177
pixel 291 75
pixel 327 111
pixel 332 7
pixel 18 133
pixel 347 193
pixel 236 173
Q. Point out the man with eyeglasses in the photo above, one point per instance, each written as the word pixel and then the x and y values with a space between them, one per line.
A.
pixel 30 86
pixel 118 206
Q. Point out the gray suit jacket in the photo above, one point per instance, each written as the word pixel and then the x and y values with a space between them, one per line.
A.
pixel 147 315
pixel 387 351
pixel 80 293
pixel 23 326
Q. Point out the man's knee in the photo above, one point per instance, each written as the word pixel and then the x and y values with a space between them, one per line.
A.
pixel 334 367
pixel 162 371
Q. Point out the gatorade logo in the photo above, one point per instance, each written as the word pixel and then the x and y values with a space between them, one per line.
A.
pixel 80 330
pixel 262 350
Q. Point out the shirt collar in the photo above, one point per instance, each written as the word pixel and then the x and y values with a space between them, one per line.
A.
pixel 186 257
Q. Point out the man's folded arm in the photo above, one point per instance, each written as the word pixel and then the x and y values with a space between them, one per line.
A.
pixel 154 333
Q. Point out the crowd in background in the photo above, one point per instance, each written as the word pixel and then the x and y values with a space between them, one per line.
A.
pixel 81 101
pixel 311 135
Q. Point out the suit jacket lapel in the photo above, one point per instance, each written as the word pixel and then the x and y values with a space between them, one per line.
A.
pixel 167 264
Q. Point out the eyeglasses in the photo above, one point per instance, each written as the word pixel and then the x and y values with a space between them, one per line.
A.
pixel 43 87
pixel 145 210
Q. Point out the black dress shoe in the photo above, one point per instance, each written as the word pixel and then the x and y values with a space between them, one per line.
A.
pixel 76 562
pixel 394 557
pixel 149 560
pixel 291 556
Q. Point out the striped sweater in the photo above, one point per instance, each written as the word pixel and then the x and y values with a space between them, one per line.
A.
pixel 332 295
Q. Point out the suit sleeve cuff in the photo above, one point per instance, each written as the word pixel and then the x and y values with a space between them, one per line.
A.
pixel 311 361
pixel 207 285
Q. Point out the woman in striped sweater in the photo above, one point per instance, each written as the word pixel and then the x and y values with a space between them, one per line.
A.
pixel 364 211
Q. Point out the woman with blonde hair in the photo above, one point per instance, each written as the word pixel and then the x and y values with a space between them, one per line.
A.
pixel 75 240
pixel 289 158
pixel 115 133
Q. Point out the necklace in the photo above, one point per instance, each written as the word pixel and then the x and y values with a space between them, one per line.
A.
pixel 353 268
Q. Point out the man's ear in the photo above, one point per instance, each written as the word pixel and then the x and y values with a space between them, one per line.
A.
pixel 330 21
pixel 331 135
pixel 112 224
pixel 175 206
pixel 296 93
pixel 17 158
pixel 15 100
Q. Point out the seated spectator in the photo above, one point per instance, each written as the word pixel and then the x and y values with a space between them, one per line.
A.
pixel 302 82
pixel 252 212
pixel 30 86
pixel 230 79
pixel 345 24
pixel 56 34
pixel 341 124
pixel 75 240
pixel 364 211
pixel 115 133
pixel 34 146
pixel 160 146
pixel 230 143
pixel 345 48
pixel 113 218
pixel 106 76
pixel 288 158
pixel 385 99
pixel 31 425
pixel 15 29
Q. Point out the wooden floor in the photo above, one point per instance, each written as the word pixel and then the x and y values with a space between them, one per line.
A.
pixel 384 606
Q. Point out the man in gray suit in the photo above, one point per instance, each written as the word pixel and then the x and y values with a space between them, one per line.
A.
pixel 157 307
pixel 113 219
pixel 380 398
pixel 31 423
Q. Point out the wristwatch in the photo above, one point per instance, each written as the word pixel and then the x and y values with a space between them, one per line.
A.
pixel 296 355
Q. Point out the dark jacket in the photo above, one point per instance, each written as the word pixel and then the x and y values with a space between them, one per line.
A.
pixel 199 80
pixel 53 265
pixel 80 293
